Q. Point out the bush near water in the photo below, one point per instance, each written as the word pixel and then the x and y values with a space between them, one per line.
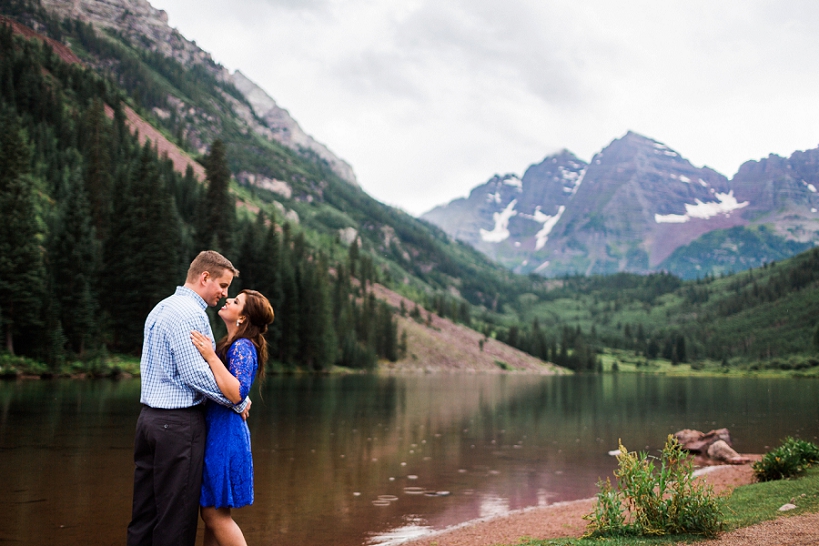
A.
pixel 655 497
pixel 790 459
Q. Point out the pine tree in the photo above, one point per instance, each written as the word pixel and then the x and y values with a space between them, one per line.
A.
pixel 268 281
pixel 352 258
pixel 290 307
pixel 98 167
pixel 402 345
pixel 74 265
pixel 142 252
pixel 681 353
pixel 187 194
pixel 218 211
pixel 22 273
pixel 250 252
pixel 386 333
pixel 316 334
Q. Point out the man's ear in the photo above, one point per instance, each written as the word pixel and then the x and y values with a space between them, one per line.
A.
pixel 204 277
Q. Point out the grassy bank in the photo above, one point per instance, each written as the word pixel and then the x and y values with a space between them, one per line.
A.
pixel 613 360
pixel 622 361
pixel 100 366
pixel 748 505
pixel 12 367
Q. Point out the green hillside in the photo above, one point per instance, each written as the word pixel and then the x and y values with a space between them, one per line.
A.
pixel 725 251
pixel 766 317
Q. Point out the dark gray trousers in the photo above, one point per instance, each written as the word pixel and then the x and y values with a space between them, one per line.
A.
pixel 169 451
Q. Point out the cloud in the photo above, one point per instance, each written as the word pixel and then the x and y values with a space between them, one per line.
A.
pixel 427 99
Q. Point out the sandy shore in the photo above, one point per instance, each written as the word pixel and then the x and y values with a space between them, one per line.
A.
pixel 565 519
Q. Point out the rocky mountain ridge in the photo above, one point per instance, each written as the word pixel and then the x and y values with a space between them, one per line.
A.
pixel 142 24
pixel 638 206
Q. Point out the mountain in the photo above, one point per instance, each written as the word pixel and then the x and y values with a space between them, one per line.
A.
pixel 639 206
pixel 509 218
pixel 285 129
pixel 146 26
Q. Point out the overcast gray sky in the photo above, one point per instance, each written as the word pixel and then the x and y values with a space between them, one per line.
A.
pixel 428 98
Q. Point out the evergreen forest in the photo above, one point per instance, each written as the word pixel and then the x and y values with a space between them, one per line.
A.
pixel 98 228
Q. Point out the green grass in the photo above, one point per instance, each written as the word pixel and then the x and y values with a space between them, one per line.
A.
pixel 630 362
pixel 748 505
pixel 101 366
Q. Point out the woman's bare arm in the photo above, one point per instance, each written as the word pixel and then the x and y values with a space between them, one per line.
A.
pixel 226 382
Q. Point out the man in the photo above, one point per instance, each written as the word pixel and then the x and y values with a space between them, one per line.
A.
pixel 170 435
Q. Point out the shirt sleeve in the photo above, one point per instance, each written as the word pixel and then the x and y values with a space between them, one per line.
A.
pixel 242 362
pixel 193 370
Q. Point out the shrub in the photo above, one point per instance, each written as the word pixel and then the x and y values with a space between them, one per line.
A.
pixel 655 501
pixel 11 365
pixel 503 365
pixel 787 460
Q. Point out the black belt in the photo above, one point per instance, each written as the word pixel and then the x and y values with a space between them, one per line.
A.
pixel 198 407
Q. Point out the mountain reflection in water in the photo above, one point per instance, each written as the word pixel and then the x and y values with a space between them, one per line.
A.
pixel 375 459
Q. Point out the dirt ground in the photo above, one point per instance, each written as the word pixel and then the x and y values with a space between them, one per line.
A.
pixel 566 520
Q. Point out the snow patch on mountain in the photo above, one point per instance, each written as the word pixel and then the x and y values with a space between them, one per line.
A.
pixel 727 203
pixel 513 181
pixel 548 224
pixel 501 230
pixel 811 187
pixel 542 266
pixel 496 197
pixel 580 176
pixel 572 178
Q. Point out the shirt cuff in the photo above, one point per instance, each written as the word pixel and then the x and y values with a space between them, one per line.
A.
pixel 240 407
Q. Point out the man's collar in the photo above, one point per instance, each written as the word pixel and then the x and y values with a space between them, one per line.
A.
pixel 184 291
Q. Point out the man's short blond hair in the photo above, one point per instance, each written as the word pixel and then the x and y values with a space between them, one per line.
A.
pixel 212 262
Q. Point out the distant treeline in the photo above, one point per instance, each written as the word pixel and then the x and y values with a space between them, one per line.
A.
pixel 762 314
pixel 97 229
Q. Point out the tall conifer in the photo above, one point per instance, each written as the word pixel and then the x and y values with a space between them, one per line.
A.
pixel 98 166
pixel 74 265
pixel 290 309
pixel 269 283
pixel 218 214
pixel 22 273
pixel 142 251
pixel 317 342
pixel 250 252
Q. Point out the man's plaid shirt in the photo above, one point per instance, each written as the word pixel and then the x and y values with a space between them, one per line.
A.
pixel 174 374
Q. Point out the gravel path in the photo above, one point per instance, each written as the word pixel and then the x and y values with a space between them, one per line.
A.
pixel 791 531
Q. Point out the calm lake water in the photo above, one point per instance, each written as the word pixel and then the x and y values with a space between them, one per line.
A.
pixel 325 448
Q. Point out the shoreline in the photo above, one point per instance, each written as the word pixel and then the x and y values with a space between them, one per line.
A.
pixel 558 520
pixel 14 374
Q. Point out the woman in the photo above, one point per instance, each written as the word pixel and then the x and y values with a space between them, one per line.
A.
pixel 227 480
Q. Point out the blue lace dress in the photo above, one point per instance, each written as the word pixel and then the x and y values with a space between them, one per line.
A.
pixel 227 480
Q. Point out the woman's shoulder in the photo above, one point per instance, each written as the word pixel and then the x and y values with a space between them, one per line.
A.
pixel 242 345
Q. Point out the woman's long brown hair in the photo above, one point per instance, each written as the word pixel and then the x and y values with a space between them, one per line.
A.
pixel 258 314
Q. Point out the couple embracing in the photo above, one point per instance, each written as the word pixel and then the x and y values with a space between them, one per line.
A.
pixel 191 457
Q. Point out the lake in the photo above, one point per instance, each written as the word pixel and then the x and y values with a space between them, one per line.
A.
pixel 352 460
